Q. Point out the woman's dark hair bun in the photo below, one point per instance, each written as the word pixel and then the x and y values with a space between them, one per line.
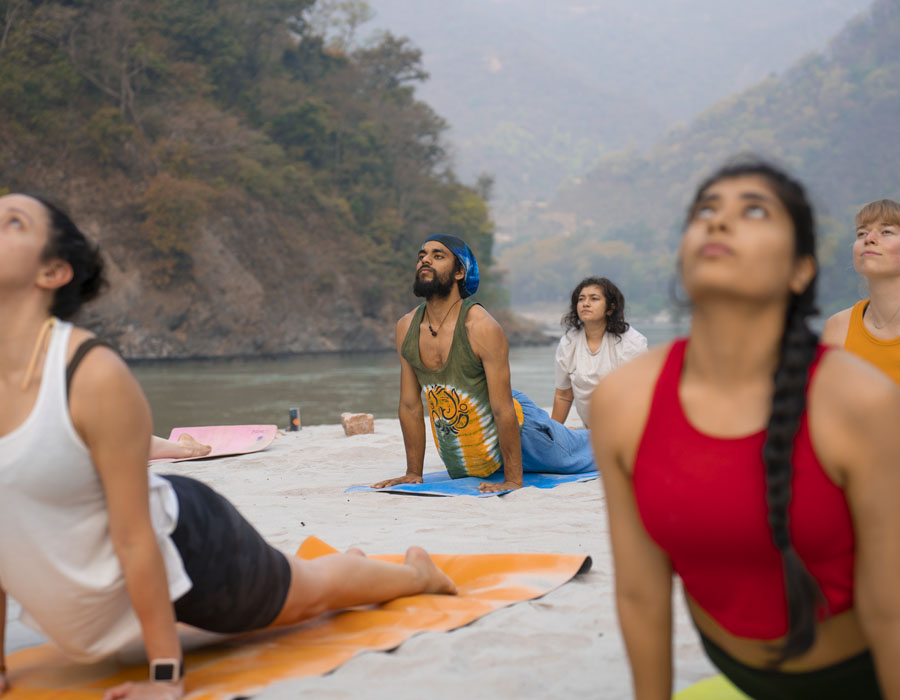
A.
pixel 66 242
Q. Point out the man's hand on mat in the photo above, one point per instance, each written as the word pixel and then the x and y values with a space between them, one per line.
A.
pixel 145 690
pixel 490 487
pixel 405 479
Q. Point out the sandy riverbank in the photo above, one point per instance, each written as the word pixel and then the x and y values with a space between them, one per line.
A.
pixel 565 644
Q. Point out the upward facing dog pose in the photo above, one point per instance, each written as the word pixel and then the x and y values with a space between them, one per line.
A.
pixel 871 327
pixel 97 550
pixel 457 353
pixel 758 466
pixel 597 340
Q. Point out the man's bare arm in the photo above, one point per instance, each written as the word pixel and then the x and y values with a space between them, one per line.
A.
pixel 489 343
pixel 412 417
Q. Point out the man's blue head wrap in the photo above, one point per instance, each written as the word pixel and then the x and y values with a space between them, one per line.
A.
pixel 465 256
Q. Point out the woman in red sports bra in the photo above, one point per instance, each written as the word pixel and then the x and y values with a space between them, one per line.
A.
pixel 757 466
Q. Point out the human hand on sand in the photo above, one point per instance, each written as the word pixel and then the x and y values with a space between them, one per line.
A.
pixel 489 487
pixel 145 690
pixel 406 479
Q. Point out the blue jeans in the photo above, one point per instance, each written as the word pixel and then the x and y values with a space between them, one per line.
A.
pixel 551 447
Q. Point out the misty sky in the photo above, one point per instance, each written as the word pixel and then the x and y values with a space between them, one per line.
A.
pixel 538 90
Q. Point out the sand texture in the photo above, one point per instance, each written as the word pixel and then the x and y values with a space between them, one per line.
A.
pixel 566 644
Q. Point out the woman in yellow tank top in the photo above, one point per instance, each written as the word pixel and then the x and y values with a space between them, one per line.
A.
pixel 871 327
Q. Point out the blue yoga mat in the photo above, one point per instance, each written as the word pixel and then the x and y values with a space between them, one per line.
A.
pixel 440 484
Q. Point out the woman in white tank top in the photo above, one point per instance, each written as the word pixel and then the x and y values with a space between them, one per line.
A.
pixel 96 549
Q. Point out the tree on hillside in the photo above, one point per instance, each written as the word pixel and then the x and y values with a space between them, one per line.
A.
pixel 831 119
pixel 235 121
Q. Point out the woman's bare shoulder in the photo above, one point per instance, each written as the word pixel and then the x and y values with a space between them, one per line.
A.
pixel 850 388
pixel 621 402
pixel 853 407
pixel 98 367
pixel 836 327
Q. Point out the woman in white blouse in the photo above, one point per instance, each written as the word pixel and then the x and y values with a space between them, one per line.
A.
pixel 597 340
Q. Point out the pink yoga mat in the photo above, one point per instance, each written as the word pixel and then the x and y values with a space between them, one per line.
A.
pixel 226 439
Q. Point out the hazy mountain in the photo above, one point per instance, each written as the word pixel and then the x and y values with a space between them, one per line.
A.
pixel 832 119
pixel 537 90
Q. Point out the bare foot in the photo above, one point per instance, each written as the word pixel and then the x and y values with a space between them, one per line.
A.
pixel 356 552
pixel 436 581
pixel 192 447
pixel 186 446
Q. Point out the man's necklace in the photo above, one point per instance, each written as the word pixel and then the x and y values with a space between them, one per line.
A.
pixel 441 324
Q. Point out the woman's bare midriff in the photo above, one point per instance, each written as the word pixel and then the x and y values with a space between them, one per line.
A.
pixel 837 638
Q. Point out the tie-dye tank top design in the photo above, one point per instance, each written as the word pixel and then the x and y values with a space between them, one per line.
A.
pixel 459 408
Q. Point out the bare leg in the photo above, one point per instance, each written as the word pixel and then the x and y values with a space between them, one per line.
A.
pixel 339 581
pixel 186 446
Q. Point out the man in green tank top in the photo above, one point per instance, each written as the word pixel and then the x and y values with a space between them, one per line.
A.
pixel 454 351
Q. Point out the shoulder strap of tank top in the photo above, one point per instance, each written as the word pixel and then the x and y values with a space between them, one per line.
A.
pixel 665 406
pixel 858 310
pixel 83 350
pixel 670 374
pixel 409 348
pixel 459 331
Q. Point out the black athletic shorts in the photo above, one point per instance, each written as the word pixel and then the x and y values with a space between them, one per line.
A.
pixel 852 679
pixel 240 582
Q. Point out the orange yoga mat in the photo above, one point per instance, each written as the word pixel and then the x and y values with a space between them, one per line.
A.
pixel 244 665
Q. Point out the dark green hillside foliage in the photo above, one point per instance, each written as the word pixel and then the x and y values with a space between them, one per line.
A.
pixel 833 120
pixel 172 121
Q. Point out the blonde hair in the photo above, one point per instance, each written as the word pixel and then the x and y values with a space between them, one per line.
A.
pixel 883 210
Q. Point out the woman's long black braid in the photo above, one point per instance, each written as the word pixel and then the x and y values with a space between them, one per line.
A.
pixel 798 350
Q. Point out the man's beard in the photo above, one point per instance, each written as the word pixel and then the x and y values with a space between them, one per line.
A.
pixel 435 287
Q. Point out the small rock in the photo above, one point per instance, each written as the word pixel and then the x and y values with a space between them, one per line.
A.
pixel 358 423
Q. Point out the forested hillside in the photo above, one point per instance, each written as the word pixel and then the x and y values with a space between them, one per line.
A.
pixel 254 191
pixel 833 119
pixel 538 90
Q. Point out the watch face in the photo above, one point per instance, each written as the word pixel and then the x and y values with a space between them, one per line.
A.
pixel 163 671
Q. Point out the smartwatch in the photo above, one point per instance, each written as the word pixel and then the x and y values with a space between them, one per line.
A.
pixel 166 670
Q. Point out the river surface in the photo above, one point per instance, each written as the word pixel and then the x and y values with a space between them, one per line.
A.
pixel 249 391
